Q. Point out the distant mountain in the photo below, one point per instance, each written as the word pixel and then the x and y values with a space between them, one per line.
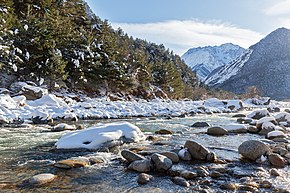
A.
pixel 203 60
pixel 265 65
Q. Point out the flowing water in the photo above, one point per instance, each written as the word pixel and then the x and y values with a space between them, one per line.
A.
pixel 26 151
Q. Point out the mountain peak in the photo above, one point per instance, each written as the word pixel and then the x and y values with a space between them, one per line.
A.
pixel 203 60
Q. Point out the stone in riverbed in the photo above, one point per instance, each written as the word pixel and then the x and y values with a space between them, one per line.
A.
pixel 253 149
pixel 239 116
pixel 274 172
pixel 258 114
pixel 196 150
pixel 200 124
pixel 216 131
pixel 63 127
pixel 276 134
pixel 277 160
pixel 171 155
pixel 229 186
pixel 253 129
pixel 41 179
pixel 164 132
pixel 144 178
pixel 140 166
pixel 131 156
pixel 180 181
pixel 188 175
pixel 72 163
pixel 184 155
pixel 236 128
pixel 161 162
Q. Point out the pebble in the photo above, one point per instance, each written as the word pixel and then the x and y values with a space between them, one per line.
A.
pixel 188 175
pixel 144 178
pixel 41 179
pixel 265 184
pixel 274 172
pixel 180 181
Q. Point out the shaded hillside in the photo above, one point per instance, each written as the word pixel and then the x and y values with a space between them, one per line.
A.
pixel 62 44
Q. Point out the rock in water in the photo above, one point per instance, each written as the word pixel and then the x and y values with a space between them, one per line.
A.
pixel 253 149
pixel 130 156
pixel 200 124
pixel 140 166
pixel 216 131
pixel 41 179
pixel 72 163
pixel 180 181
pixel 161 162
pixel 184 154
pixel 277 160
pixel 144 178
pixel 171 155
pixel 196 150
pixel 164 132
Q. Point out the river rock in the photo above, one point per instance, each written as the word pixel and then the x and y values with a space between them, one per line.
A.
pixel 200 124
pixel 253 129
pixel 229 186
pixel 236 128
pixel 72 163
pixel 265 184
pixel 277 160
pixel 258 114
pixel 130 156
pixel 216 131
pixel 202 172
pixel 274 172
pixel 276 134
pixel 245 120
pixel 196 150
pixel 144 178
pixel 266 128
pixel 63 127
pixel 41 179
pixel 171 155
pixel 161 162
pixel 263 120
pixel 180 181
pixel 140 165
pixel 239 116
pixel 188 175
pixel 164 132
pixel 253 149
pixel 184 155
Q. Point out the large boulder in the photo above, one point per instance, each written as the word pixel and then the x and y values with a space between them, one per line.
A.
pixel 253 149
pixel 196 150
pixel 161 162
pixel 216 131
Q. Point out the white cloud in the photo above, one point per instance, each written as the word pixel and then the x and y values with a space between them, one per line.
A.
pixel 182 35
pixel 279 8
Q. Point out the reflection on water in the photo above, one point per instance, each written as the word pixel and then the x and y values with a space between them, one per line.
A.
pixel 26 151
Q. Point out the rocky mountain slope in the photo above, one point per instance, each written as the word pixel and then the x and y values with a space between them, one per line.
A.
pixel 203 60
pixel 265 65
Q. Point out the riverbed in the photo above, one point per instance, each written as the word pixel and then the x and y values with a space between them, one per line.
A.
pixel 28 150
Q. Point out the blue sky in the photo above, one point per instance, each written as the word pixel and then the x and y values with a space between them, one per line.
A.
pixel 183 24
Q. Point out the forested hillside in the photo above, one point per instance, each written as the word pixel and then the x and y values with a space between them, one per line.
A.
pixel 63 45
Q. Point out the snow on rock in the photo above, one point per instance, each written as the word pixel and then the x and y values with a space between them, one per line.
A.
pixel 48 100
pixel 30 91
pixel 235 104
pixel 276 133
pixel 283 117
pixel 20 100
pixel 236 128
pixel 258 114
pixel 94 137
pixel 214 102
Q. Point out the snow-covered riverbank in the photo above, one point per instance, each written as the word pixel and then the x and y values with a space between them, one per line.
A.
pixel 50 106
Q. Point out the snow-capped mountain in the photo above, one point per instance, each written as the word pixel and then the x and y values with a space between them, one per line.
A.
pixel 265 65
pixel 203 60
